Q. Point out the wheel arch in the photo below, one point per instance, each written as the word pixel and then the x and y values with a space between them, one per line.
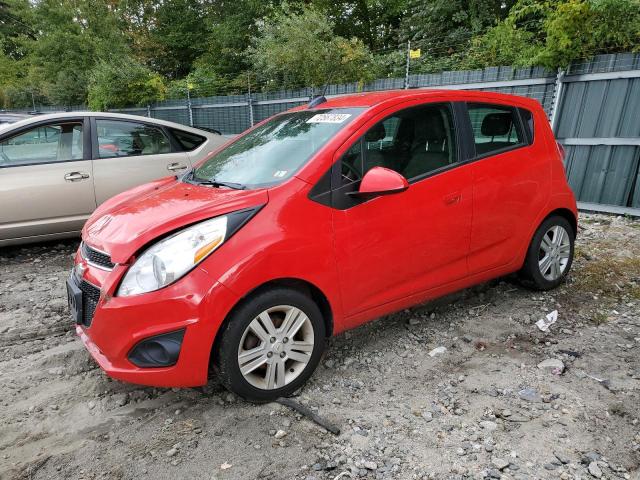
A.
pixel 298 284
pixel 567 215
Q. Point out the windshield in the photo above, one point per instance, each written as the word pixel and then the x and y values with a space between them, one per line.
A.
pixel 275 150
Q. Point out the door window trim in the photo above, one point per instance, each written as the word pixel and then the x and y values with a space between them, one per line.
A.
pixel 95 147
pixel 86 139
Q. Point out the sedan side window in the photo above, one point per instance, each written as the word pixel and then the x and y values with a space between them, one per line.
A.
pixel 494 128
pixel 45 144
pixel 413 142
pixel 126 139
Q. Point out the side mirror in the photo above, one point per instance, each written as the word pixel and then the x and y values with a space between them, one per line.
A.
pixel 381 181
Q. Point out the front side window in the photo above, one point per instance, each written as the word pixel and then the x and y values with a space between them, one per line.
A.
pixel 495 128
pixel 126 139
pixel 275 150
pixel 45 144
pixel 413 142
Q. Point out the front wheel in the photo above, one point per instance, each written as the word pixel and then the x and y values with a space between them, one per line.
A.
pixel 550 254
pixel 271 345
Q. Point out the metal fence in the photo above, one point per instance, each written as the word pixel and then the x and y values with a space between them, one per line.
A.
pixel 593 106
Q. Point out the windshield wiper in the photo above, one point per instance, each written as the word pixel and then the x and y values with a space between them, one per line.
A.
pixel 191 177
pixel 215 183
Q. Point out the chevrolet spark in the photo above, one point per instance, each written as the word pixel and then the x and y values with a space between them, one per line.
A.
pixel 313 222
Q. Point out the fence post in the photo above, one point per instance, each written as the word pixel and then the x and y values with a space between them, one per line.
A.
pixel 250 108
pixel 406 72
pixel 557 97
pixel 189 107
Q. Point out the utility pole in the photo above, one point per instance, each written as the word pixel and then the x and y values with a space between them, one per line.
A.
pixel 406 72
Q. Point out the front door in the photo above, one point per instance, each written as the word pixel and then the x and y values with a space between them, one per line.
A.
pixel 46 182
pixel 127 154
pixel 394 246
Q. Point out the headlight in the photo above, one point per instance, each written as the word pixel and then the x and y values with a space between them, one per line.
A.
pixel 171 258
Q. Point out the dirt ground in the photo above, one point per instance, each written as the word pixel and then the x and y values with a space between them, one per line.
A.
pixel 481 409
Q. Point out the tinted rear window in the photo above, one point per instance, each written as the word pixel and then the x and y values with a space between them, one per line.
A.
pixel 527 122
pixel 187 140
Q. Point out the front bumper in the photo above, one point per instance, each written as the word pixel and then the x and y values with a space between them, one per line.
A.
pixel 196 303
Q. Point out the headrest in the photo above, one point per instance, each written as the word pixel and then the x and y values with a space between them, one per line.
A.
pixel 434 130
pixel 496 124
pixel 378 132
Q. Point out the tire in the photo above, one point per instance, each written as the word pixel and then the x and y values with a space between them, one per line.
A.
pixel 248 333
pixel 560 259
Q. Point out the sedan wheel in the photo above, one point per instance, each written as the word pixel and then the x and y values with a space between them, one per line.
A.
pixel 276 347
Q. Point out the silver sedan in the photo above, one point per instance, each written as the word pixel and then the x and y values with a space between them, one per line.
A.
pixel 56 169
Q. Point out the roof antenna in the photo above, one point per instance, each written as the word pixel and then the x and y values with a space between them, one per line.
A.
pixel 319 99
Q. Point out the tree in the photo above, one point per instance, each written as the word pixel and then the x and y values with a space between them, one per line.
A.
pixel 297 48
pixel 178 36
pixel 124 83
pixel 444 29
pixel 375 22
pixel 555 33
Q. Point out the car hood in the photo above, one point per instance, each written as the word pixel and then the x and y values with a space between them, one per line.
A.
pixel 129 221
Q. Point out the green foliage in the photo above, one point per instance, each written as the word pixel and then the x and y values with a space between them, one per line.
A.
pixel 555 33
pixel 178 37
pixel 297 48
pixel 444 29
pixel 124 83
pixel 115 53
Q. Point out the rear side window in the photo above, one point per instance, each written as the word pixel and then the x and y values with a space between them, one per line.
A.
pixel 495 128
pixel 45 144
pixel 126 139
pixel 188 141
pixel 527 123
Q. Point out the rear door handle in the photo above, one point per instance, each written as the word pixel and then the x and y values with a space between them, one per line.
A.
pixel 76 176
pixel 452 198
pixel 176 166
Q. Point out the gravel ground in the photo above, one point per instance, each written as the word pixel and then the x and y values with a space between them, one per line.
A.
pixel 482 408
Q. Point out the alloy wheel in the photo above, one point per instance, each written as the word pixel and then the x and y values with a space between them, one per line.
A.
pixel 276 347
pixel 554 253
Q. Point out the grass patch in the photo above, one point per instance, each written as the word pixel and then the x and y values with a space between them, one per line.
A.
pixel 608 275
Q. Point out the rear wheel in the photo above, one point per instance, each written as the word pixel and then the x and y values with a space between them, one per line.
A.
pixel 271 345
pixel 550 254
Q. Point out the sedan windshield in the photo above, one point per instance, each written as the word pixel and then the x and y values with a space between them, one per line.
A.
pixel 274 151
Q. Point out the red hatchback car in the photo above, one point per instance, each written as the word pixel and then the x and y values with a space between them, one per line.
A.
pixel 313 222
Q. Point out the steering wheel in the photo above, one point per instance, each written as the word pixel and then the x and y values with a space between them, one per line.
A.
pixel 352 175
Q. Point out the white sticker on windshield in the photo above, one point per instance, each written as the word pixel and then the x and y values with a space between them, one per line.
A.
pixel 329 118
pixel 280 173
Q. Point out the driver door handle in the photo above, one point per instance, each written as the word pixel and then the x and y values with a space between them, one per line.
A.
pixel 176 166
pixel 76 176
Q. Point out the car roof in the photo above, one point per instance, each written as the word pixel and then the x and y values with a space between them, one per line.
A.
pixel 371 99
pixel 118 116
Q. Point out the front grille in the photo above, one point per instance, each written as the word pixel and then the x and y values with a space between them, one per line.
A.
pixel 90 297
pixel 96 257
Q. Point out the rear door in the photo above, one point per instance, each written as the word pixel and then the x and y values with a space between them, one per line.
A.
pixel 129 153
pixel 45 179
pixel 509 183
